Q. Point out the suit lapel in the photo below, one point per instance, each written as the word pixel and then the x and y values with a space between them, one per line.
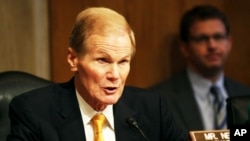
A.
pixel 123 131
pixel 70 125
pixel 185 102
pixel 233 88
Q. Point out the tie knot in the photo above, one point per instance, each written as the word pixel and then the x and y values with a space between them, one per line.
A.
pixel 99 118
pixel 98 121
pixel 214 90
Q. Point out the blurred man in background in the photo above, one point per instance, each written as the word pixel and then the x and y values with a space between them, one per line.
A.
pixel 197 96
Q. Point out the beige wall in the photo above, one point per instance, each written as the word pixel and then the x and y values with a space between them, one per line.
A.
pixel 24 36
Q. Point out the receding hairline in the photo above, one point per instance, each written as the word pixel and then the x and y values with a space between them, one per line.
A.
pixel 101 12
pixel 103 21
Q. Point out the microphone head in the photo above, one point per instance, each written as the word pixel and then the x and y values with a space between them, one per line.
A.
pixel 248 111
pixel 131 121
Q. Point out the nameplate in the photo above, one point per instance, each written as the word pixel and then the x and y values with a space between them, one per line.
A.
pixel 210 135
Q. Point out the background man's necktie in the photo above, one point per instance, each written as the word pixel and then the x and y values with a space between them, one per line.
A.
pixel 98 121
pixel 219 109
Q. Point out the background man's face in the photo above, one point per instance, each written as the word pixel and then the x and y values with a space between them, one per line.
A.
pixel 208 45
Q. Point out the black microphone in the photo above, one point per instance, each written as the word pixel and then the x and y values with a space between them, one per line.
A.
pixel 132 122
pixel 248 112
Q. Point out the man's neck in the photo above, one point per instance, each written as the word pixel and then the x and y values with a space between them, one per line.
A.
pixel 212 74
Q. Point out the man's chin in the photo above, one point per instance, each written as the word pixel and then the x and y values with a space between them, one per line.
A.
pixel 213 70
pixel 214 67
pixel 110 101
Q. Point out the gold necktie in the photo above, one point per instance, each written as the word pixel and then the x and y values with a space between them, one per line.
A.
pixel 98 121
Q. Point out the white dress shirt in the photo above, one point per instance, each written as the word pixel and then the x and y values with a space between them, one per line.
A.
pixel 88 112
pixel 204 99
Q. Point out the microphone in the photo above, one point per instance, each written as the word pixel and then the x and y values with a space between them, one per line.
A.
pixel 132 122
pixel 248 111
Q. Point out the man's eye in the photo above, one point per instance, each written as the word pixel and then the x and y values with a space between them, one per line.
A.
pixel 219 37
pixel 124 61
pixel 201 38
pixel 102 60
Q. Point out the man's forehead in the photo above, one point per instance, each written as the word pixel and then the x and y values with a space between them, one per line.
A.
pixel 109 38
pixel 208 26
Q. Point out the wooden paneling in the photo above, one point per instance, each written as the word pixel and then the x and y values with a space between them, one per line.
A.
pixel 238 64
pixel 24 37
pixel 156 29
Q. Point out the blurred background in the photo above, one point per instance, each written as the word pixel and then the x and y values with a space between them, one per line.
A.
pixel 34 36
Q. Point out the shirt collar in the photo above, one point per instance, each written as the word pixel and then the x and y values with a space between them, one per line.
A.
pixel 88 112
pixel 202 85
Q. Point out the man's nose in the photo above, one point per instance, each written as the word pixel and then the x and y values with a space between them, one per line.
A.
pixel 212 43
pixel 113 72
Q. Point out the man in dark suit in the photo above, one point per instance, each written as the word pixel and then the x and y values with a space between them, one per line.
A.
pixel 102 45
pixel 205 45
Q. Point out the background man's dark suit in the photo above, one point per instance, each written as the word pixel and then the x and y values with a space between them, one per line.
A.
pixel 52 114
pixel 181 101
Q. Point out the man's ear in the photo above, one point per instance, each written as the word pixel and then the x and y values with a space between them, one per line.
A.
pixel 230 42
pixel 72 59
pixel 184 49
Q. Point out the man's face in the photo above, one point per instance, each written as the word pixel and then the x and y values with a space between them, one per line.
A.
pixel 102 71
pixel 208 46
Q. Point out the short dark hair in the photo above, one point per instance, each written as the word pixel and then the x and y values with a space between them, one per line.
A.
pixel 199 13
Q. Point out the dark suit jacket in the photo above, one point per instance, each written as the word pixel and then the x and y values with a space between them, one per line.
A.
pixel 52 114
pixel 181 101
